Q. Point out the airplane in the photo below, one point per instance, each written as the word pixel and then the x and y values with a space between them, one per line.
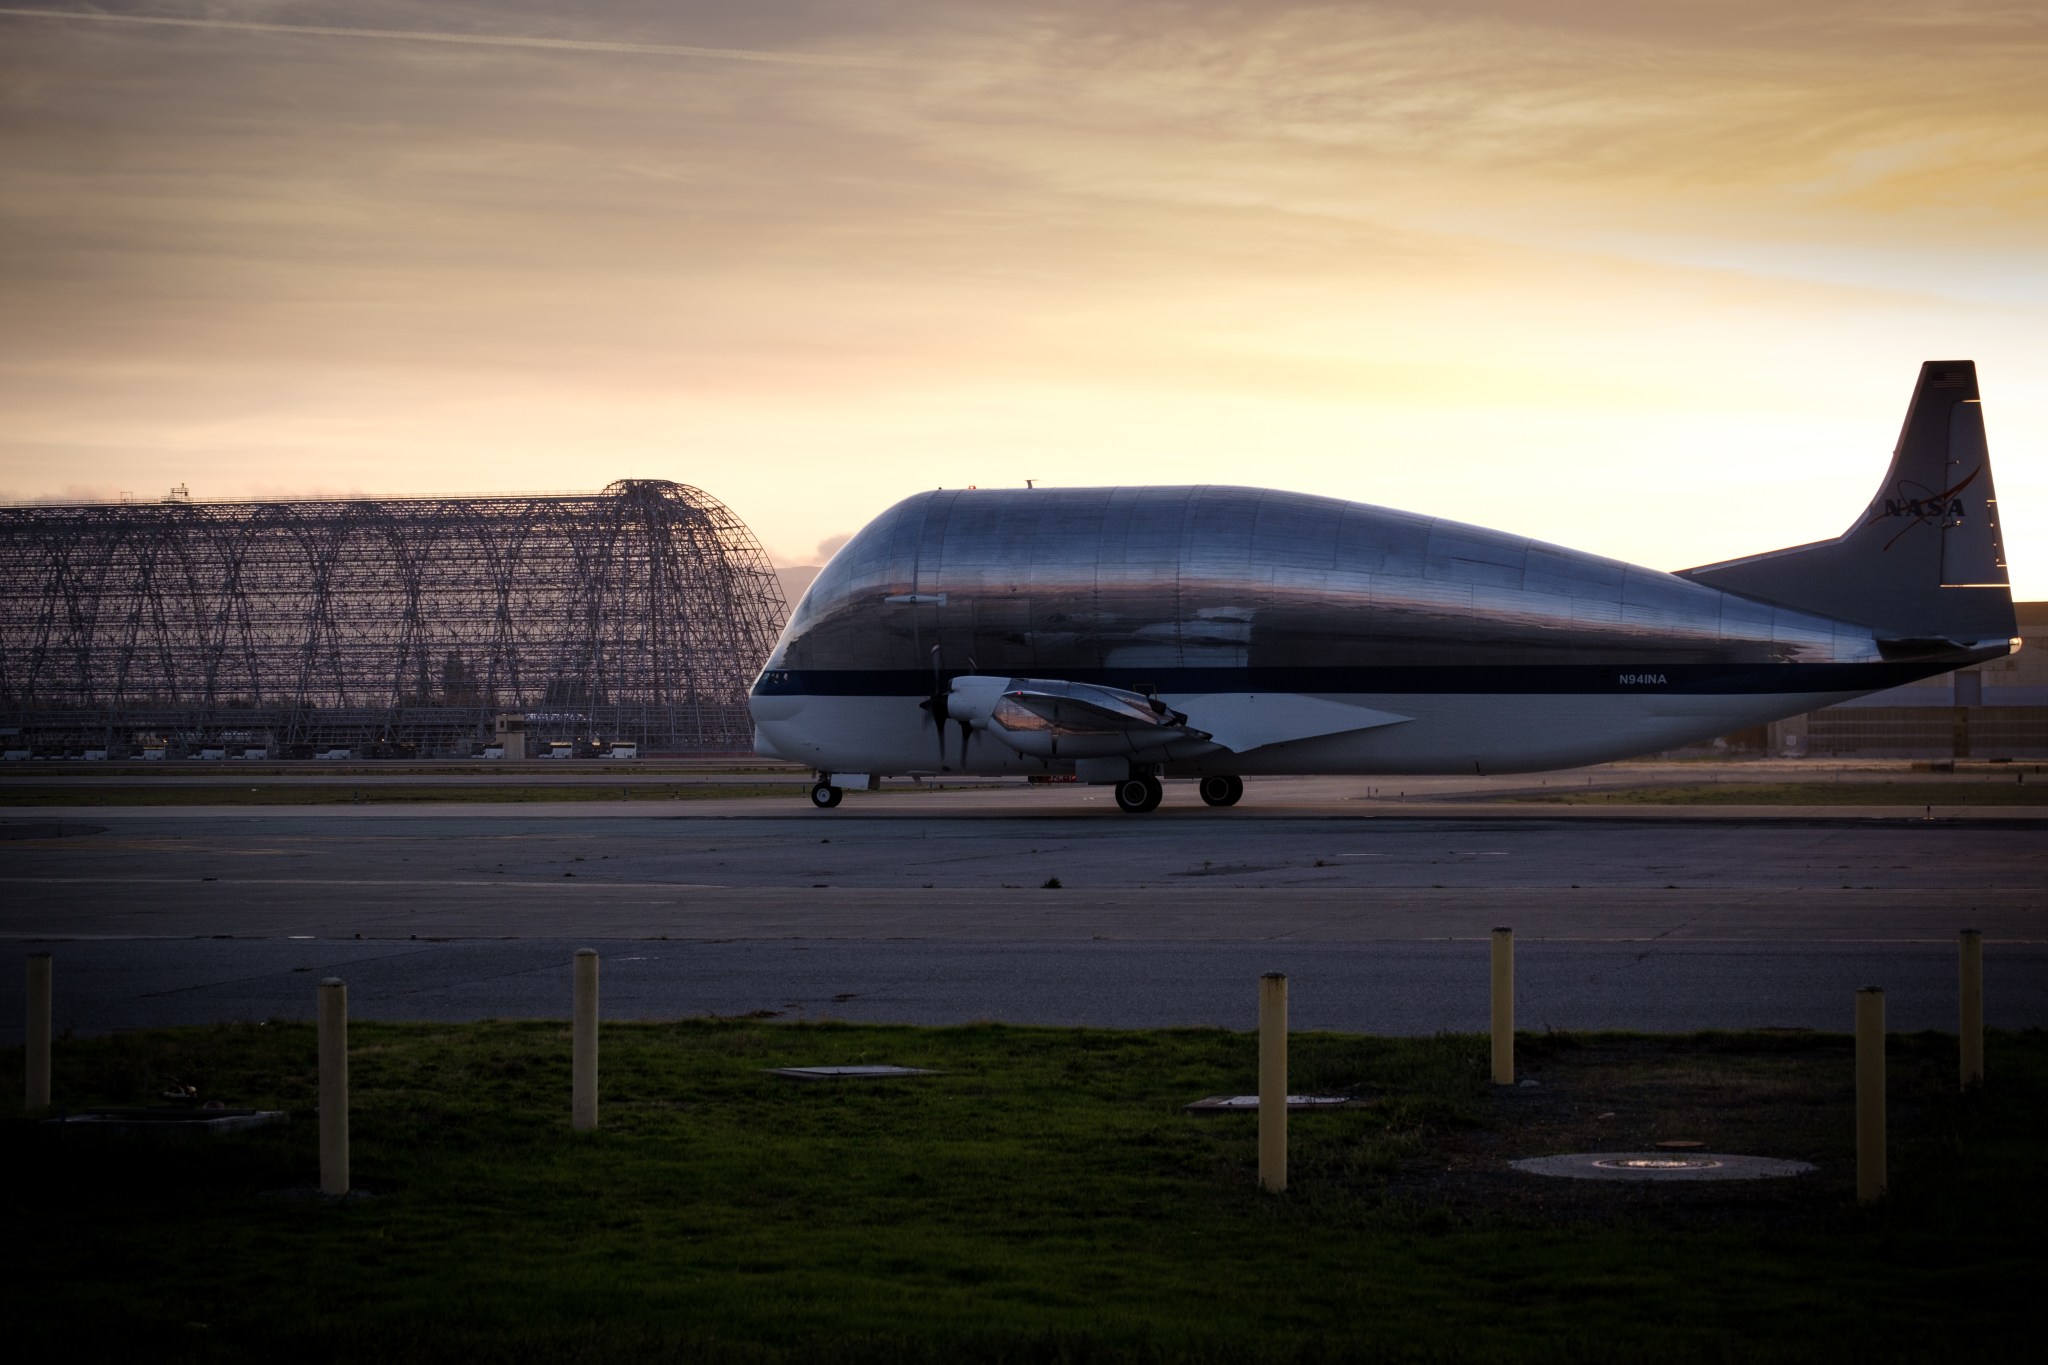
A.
pixel 1129 634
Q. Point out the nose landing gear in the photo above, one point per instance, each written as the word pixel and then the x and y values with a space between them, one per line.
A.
pixel 1137 795
pixel 1222 790
pixel 825 796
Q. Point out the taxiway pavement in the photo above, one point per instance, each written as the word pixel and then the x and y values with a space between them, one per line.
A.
pixel 934 908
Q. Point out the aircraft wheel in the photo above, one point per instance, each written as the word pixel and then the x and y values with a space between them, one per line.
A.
pixel 1222 790
pixel 1136 795
pixel 825 796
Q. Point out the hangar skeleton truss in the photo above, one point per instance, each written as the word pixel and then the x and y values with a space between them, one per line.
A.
pixel 389 625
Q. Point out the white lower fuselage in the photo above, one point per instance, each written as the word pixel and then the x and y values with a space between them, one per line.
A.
pixel 1447 733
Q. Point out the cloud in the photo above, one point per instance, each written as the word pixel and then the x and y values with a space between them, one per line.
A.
pixel 414 35
pixel 547 246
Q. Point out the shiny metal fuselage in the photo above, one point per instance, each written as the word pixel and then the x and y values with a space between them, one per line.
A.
pixel 1498 653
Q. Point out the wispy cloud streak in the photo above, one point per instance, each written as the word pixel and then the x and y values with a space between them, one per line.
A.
pixel 729 54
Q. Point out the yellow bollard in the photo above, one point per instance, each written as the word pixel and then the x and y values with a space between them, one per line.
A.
pixel 333 1087
pixel 1970 1033
pixel 1503 1007
pixel 1871 1176
pixel 583 1044
pixel 1273 1082
pixel 37 1097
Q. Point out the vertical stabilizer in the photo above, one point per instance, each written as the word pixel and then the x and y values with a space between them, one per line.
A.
pixel 1923 561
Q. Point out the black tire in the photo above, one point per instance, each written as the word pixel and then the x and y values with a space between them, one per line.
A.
pixel 1155 792
pixel 825 796
pixel 1222 789
pixel 1136 795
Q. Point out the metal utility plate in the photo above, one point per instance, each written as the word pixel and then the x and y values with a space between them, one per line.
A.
pixel 1245 1104
pixel 1661 1166
pixel 847 1073
pixel 166 1120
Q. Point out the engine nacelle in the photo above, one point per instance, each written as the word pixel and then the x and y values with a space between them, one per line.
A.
pixel 1067 721
pixel 972 699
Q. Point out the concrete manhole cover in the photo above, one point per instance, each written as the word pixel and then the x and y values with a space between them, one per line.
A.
pixel 848 1073
pixel 159 1120
pixel 1661 1166
pixel 1249 1104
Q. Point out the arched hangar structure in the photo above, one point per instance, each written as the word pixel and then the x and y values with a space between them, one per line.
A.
pixel 392 626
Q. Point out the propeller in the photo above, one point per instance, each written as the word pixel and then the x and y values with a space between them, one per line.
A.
pixel 936 704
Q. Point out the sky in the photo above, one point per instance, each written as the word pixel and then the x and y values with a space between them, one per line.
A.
pixel 1653 281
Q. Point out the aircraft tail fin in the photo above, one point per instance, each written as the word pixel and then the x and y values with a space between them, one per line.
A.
pixel 1924 561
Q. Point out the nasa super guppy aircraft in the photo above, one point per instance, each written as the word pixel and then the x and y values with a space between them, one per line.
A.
pixel 1124 635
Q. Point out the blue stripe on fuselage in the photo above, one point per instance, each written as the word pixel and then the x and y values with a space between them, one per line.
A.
pixel 1738 679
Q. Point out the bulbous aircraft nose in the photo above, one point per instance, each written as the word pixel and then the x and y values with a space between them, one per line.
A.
pixel 772 708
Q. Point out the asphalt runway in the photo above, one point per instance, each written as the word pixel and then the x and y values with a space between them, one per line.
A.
pixel 932 908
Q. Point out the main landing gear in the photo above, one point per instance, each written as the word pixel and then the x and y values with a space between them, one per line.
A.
pixel 825 796
pixel 1137 795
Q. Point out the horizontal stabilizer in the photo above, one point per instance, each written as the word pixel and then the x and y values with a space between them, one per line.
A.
pixel 1243 721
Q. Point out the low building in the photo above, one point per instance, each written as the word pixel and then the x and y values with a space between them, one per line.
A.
pixel 1991 710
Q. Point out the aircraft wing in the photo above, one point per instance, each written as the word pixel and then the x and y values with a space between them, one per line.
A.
pixel 1238 721
pixel 1242 721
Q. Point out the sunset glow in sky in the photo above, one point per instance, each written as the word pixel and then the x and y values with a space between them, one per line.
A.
pixel 1651 280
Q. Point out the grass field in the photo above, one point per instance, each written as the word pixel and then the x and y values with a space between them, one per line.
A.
pixel 2008 792
pixel 1045 1199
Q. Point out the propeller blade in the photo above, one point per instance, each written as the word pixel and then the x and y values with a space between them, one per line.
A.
pixel 937 706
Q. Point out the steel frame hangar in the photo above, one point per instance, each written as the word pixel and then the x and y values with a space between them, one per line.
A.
pixel 393 626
